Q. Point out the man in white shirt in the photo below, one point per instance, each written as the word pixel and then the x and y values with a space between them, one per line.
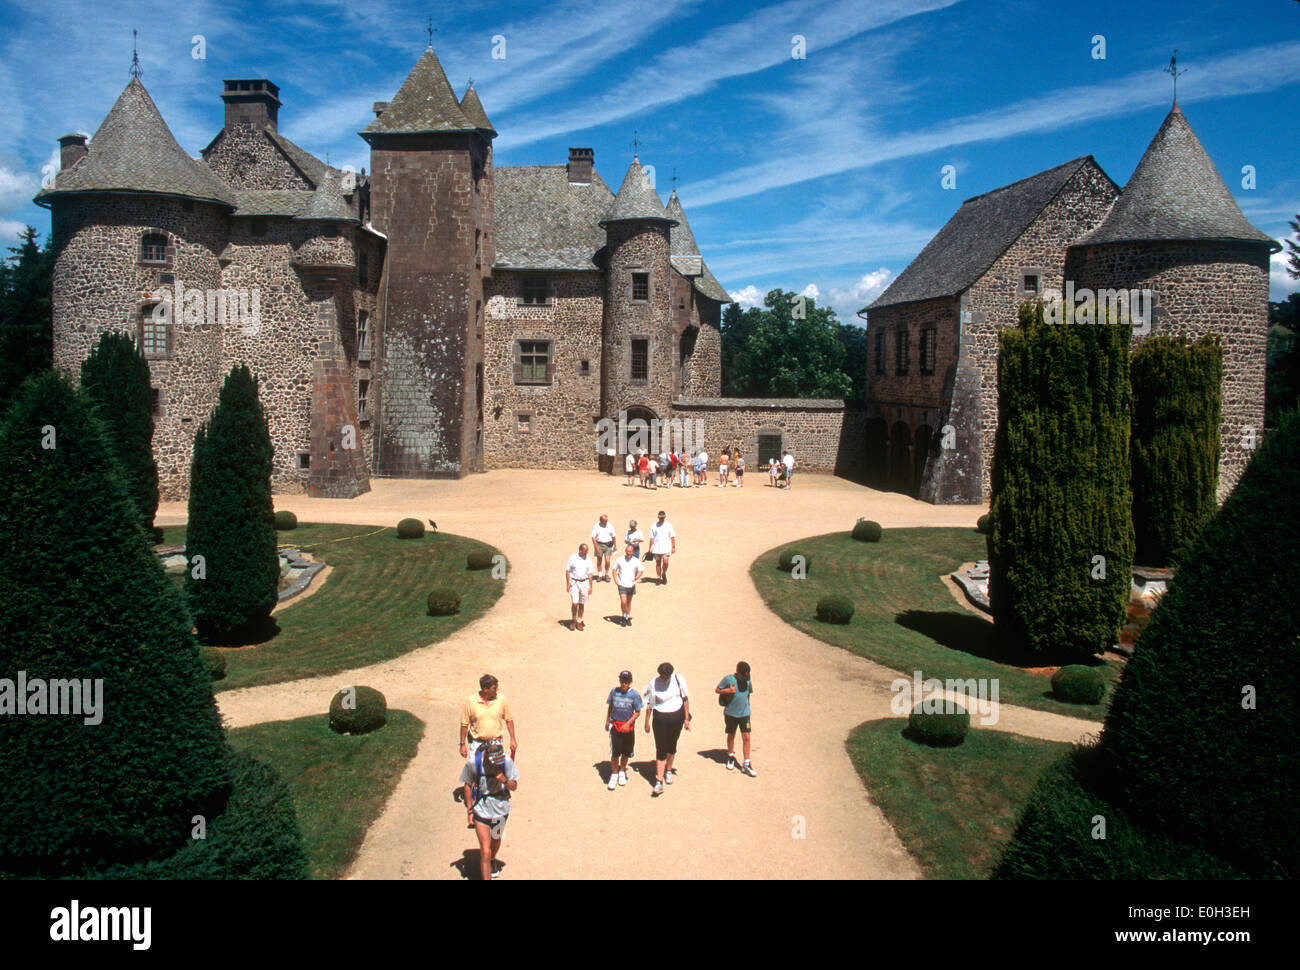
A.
pixel 627 573
pixel 788 461
pixel 577 583
pixel 701 468
pixel 629 465
pixel 663 543
pixel 603 535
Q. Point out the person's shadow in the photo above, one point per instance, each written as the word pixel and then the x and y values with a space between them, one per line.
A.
pixel 716 755
pixel 646 769
pixel 468 865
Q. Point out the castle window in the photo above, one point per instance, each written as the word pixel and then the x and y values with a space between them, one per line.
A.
pixel 155 401
pixel 928 341
pixel 534 291
pixel 584 367
pixel 880 351
pixel 363 335
pixel 304 460
pixel 153 248
pixel 640 287
pixel 523 421
pixel 533 362
pixel 1031 282
pixel 363 393
pixel 640 359
pixel 900 350
pixel 155 335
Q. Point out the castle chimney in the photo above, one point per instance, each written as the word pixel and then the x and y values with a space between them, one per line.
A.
pixel 379 108
pixel 581 161
pixel 72 149
pixel 251 101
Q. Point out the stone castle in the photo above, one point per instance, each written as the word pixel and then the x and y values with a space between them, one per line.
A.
pixel 1175 230
pixel 437 317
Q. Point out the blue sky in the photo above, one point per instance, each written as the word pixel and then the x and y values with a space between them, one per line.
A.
pixel 821 171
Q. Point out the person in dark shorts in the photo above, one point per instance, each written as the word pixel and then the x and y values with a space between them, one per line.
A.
pixel 739 687
pixel 668 711
pixel 627 573
pixel 489 776
pixel 623 706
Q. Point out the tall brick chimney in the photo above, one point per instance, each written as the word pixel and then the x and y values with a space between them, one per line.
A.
pixel 581 161
pixel 72 149
pixel 251 101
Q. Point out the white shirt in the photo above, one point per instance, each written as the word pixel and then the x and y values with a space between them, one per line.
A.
pixel 654 466
pixel 634 537
pixel 668 699
pixel 578 568
pixel 603 533
pixel 626 571
pixel 788 461
pixel 661 538
pixel 629 464
pixel 704 458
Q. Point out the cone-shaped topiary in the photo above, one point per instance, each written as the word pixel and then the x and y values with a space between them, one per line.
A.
pixel 867 531
pixel 357 710
pixel 1201 736
pixel 116 377
pixel 444 602
pixel 835 609
pixel 938 729
pixel 1078 684
pixel 1061 549
pixel 1177 390
pixel 410 529
pixel 231 521
pixel 479 559
pixel 84 600
pixel 285 521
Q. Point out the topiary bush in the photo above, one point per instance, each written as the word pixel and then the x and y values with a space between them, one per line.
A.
pixel 358 710
pixel 982 524
pixel 410 529
pixel 1078 684
pixel 938 729
pixel 835 609
pixel 785 562
pixel 867 531
pixel 216 661
pixel 444 602
pixel 285 521
pixel 479 559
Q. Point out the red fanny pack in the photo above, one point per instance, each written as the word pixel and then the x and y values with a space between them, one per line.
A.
pixel 623 727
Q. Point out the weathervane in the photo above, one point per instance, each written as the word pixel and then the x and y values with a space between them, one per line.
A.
pixel 636 144
pixel 1173 71
pixel 135 59
pixel 431 33
pixel 674 178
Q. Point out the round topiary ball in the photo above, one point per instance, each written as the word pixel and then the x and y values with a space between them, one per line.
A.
pixel 1079 684
pixel 444 602
pixel 867 531
pixel 357 710
pixel 285 520
pixel 940 729
pixel 835 609
pixel 786 561
pixel 216 661
pixel 410 529
pixel 479 559
pixel 983 523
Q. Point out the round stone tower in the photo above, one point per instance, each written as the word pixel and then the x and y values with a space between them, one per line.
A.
pixel 1177 232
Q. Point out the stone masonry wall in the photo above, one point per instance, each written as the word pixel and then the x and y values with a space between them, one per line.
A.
pixel 638 247
pixel 245 157
pixel 823 435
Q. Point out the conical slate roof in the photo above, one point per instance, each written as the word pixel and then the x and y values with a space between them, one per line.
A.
pixel 684 253
pixel 327 201
pixel 135 151
pixel 682 241
pixel 1175 193
pixel 636 199
pixel 473 109
pixel 424 103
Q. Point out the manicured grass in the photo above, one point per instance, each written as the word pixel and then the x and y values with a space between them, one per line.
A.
pixel 339 782
pixel 904 617
pixel 954 808
pixel 373 606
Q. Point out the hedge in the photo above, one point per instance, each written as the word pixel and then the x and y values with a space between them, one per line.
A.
pixel 867 531
pixel 835 609
pixel 1079 684
pixel 410 529
pixel 285 521
pixel 939 729
pixel 444 602
pixel 367 712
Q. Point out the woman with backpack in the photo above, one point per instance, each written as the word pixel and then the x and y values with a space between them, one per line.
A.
pixel 668 711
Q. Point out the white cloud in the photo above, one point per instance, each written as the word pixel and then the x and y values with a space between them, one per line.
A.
pixel 750 296
pixel 1280 283
pixel 812 292
pixel 9 232
pixel 16 188
pixel 866 289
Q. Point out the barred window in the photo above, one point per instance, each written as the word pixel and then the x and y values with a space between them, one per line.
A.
pixel 880 351
pixel 155 335
pixel 153 248
pixel 640 287
pixel 533 364
pixel 928 342
pixel 534 291
pixel 640 360
pixel 900 351
pixel 363 394
pixel 363 335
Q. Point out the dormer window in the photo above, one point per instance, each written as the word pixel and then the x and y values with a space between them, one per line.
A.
pixel 153 248
pixel 534 291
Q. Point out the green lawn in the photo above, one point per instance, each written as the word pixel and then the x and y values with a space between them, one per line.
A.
pixel 373 606
pixel 904 617
pixel 339 782
pixel 954 808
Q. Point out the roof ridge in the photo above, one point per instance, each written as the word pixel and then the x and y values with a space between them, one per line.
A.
pixel 1001 188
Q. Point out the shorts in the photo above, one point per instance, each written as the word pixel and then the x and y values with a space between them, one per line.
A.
pixel 627 591
pixel 604 548
pixel 621 745
pixel 740 473
pixel 578 593
pixel 722 469
pixel 733 723
pixel 667 729
pixel 496 826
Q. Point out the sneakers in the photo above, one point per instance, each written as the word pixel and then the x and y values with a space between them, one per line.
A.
pixel 731 763
pixel 670 775
pixel 613 781
pixel 658 788
pixel 627 621
pixel 622 777
pixel 748 769
pixel 496 869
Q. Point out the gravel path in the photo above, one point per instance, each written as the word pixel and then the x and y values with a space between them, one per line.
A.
pixel 806 815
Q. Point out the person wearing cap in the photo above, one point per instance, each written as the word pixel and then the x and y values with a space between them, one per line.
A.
pixel 627 573
pixel 737 688
pixel 622 707
pixel 482 716
pixel 488 779
pixel 634 538
pixel 663 543
pixel 603 534
pixel 578 573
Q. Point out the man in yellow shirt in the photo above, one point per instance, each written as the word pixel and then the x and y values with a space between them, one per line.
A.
pixel 482 716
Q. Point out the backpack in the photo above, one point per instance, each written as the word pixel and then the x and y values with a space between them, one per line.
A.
pixel 480 780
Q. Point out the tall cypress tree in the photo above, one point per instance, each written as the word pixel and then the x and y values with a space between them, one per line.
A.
pixel 233 589
pixel 83 599
pixel 116 376
pixel 26 316
pixel 1061 541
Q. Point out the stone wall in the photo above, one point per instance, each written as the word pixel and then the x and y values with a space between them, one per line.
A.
pixel 1218 288
pixel 243 156
pixel 638 247
pixel 823 435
